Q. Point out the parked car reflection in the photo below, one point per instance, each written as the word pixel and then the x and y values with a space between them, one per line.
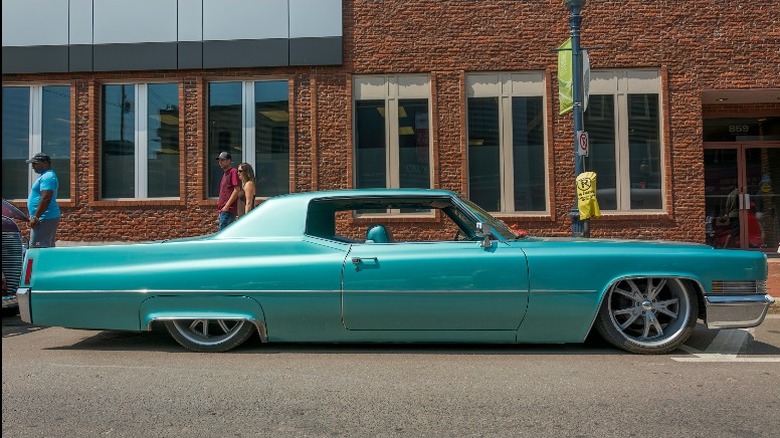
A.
pixel 14 246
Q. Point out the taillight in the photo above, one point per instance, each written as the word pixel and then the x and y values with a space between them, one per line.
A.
pixel 28 272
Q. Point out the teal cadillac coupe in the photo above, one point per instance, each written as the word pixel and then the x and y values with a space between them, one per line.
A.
pixel 426 266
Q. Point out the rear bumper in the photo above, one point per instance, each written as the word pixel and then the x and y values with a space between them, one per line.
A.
pixel 735 311
pixel 23 296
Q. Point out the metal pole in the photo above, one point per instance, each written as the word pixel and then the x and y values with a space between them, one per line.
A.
pixel 578 227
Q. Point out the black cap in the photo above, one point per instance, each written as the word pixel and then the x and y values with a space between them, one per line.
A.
pixel 224 156
pixel 39 158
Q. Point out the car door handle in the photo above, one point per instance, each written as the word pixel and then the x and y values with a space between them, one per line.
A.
pixel 358 260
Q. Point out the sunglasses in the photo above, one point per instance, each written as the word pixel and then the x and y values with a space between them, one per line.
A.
pixel 240 171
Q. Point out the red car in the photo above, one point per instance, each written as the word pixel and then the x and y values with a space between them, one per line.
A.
pixel 14 246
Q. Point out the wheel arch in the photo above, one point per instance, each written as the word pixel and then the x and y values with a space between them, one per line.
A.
pixel 155 310
pixel 691 283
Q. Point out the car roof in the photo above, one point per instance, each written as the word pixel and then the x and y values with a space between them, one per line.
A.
pixel 369 193
pixel 285 215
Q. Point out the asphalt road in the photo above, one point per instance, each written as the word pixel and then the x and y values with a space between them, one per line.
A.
pixel 74 383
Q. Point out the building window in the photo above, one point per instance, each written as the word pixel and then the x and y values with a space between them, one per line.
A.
pixel 140 141
pixel 251 120
pixel 35 119
pixel 392 135
pixel 623 121
pixel 506 142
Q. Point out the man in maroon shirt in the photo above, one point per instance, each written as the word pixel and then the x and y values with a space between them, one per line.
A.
pixel 228 191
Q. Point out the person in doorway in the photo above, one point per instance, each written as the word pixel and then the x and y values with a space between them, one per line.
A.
pixel 42 203
pixel 732 212
pixel 246 197
pixel 228 191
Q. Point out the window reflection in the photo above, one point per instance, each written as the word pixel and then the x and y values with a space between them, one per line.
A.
pixel 528 153
pixel 140 147
pixel 224 133
pixel 55 134
pixel 644 151
pixel 370 147
pixel 269 128
pixel 16 141
pixel 118 141
pixel 414 153
pixel 272 138
pixel 163 142
pixel 600 122
pixel 484 153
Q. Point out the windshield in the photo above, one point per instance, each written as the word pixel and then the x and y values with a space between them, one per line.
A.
pixel 498 226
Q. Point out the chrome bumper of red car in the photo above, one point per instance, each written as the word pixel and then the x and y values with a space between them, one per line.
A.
pixel 23 297
pixel 736 311
pixel 9 301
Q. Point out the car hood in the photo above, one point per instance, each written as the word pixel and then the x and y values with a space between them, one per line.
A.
pixel 10 210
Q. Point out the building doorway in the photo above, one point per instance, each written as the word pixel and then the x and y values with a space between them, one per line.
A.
pixel 742 194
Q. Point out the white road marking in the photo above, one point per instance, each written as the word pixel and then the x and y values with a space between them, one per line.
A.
pixel 724 348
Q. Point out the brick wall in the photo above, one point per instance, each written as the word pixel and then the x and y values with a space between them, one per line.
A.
pixel 697 44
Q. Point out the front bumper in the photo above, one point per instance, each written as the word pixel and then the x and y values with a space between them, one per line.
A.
pixel 735 311
pixel 23 297
pixel 10 301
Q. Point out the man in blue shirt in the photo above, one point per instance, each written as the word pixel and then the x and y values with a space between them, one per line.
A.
pixel 42 203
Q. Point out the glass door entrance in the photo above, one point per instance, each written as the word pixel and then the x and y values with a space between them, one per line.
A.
pixel 742 195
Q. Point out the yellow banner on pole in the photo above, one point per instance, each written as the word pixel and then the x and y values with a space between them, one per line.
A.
pixel 586 196
pixel 565 75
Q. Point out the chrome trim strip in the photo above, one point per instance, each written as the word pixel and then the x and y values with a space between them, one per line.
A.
pixel 289 291
pixel 182 291
pixel 736 311
pixel 23 297
pixel 564 291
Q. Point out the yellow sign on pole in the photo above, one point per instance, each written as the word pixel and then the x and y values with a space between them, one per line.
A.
pixel 586 196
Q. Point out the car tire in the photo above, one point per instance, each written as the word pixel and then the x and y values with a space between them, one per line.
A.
pixel 210 335
pixel 648 315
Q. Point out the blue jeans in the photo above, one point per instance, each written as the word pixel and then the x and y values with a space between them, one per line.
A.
pixel 226 218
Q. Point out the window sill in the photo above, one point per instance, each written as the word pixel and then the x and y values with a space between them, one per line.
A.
pixel 137 202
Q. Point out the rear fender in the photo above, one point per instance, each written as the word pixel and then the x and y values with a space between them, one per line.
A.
pixel 199 306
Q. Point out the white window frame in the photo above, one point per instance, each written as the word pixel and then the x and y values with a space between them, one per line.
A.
pixel 35 126
pixel 248 119
pixel 140 139
pixel 391 89
pixel 620 83
pixel 505 86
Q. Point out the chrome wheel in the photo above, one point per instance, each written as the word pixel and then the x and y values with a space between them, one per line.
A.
pixel 648 315
pixel 210 334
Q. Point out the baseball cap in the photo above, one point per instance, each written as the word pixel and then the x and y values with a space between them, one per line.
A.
pixel 224 156
pixel 38 158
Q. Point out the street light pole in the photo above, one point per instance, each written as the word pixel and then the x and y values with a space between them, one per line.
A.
pixel 578 227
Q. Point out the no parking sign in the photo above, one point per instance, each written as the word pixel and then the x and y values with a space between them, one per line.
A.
pixel 582 143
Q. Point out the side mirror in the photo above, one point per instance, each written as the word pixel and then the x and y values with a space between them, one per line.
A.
pixel 486 231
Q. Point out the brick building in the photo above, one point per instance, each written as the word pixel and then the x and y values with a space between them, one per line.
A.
pixel 134 99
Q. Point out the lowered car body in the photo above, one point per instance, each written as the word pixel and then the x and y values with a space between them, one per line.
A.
pixel 293 270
